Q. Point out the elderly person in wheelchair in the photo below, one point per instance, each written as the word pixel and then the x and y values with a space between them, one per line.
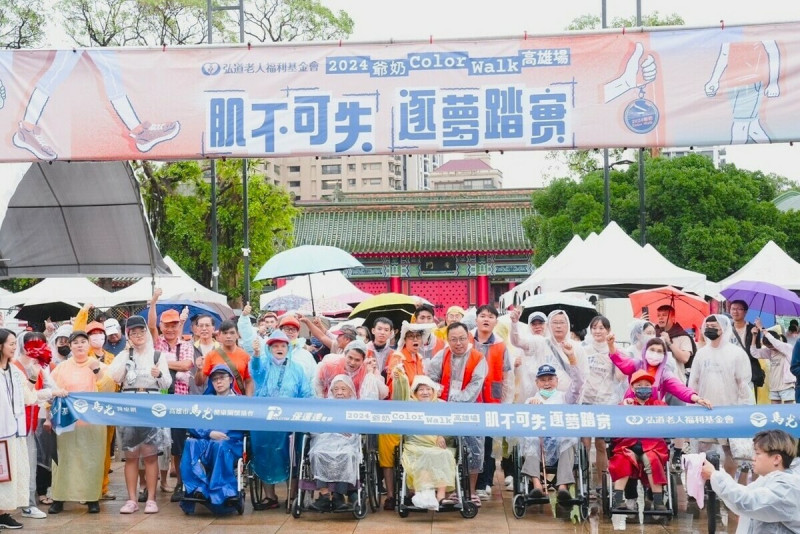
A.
pixel 208 464
pixel 335 457
pixel 560 451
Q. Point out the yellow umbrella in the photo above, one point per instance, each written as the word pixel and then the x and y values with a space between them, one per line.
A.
pixel 395 306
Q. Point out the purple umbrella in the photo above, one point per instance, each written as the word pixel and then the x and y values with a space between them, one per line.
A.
pixel 764 297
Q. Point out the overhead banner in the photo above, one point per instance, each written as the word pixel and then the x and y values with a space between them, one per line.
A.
pixel 442 418
pixel 679 87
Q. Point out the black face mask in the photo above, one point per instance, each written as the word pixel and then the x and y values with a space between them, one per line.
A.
pixel 64 350
pixel 711 333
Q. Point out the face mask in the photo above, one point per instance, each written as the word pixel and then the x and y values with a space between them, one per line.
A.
pixel 97 340
pixel 64 351
pixel 711 333
pixel 546 393
pixel 654 358
pixel 643 393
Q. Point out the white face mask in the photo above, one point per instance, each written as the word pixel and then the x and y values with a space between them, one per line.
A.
pixel 654 358
pixel 97 340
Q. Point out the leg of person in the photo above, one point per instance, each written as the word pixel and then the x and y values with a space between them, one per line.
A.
pixel 386 447
pixel 564 473
pixel 178 444
pixel 106 494
pixel 601 462
pixel 151 479
pixel 475 452
pixel 484 482
pixel 164 462
pixel 131 481
pixel 29 136
pixel 532 467
pixel 32 510
pixel 145 134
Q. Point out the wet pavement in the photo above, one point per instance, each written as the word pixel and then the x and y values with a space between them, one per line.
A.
pixel 495 516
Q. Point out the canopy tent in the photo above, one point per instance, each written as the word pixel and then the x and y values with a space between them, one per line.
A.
pixel 177 286
pixel 74 291
pixel 535 280
pixel 772 265
pixel 74 219
pixel 328 285
pixel 614 265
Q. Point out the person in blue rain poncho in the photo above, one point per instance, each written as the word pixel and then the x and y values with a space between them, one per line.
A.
pixel 208 464
pixel 275 375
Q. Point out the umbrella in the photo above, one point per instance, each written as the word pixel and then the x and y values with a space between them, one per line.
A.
pixel 305 260
pixel 329 306
pixel 396 315
pixel 689 309
pixel 764 297
pixel 223 310
pixel 195 309
pixel 55 311
pixel 385 301
pixel 580 311
pixel 286 302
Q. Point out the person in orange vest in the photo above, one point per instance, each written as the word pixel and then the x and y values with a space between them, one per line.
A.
pixel 498 386
pixel 461 370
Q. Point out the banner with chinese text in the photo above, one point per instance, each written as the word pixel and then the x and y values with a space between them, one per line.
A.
pixel 677 87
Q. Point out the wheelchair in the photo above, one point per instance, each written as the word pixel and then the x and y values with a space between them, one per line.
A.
pixel 670 491
pixel 464 505
pixel 256 486
pixel 366 488
pixel 235 503
pixel 578 505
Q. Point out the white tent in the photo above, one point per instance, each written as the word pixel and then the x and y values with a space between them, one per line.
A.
pixel 75 291
pixel 331 285
pixel 178 286
pixel 614 265
pixel 772 265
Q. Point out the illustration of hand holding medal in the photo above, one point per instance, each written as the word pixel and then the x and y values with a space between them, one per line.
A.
pixel 641 115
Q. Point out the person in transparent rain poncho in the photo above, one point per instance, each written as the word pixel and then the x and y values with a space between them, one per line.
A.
pixel 721 374
pixel 141 369
pixel 335 457
pixel 556 450
pixel 275 375
pixel 779 353
pixel 429 463
pixel 559 345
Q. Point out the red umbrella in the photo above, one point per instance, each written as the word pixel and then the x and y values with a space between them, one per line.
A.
pixel 689 309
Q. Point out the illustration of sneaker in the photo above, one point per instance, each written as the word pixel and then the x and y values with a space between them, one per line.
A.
pixel 149 135
pixel 34 142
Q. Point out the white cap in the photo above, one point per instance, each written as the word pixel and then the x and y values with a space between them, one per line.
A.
pixel 112 327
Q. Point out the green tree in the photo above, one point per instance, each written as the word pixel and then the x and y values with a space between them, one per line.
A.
pixel 21 23
pixel 185 233
pixel 699 217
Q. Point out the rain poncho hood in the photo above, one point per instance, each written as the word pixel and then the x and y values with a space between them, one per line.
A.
pixel 637 332
pixel 726 331
pixel 420 380
pixel 217 368
pixel 426 329
pixel 347 381
pixel 555 354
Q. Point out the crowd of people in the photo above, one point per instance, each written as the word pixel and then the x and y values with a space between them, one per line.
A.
pixel 495 360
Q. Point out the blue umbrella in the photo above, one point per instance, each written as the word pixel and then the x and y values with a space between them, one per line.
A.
pixel 305 260
pixel 195 309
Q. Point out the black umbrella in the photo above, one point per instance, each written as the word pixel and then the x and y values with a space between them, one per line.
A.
pixel 396 315
pixel 579 311
pixel 54 311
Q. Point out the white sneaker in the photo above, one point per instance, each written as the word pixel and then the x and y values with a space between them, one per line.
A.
pixel 33 513
pixel 488 491
pixel 509 483
pixel 482 495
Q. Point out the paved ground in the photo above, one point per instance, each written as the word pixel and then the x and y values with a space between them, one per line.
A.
pixel 495 516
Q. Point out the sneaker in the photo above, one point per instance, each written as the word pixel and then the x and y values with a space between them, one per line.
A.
pixel 177 495
pixel 34 142
pixel 322 504
pixel 94 507
pixel 6 521
pixel 56 508
pixel 482 495
pixel 337 503
pixel 509 483
pixel 563 496
pixel 153 134
pixel 151 507
pixel 33 513
pixel 108 496
pixel 488 491
pixel 129 507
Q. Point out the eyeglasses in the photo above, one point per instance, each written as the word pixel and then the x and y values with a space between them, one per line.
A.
pixel 289 329
pixel 462 339
pixel 414 335
pixel 220 378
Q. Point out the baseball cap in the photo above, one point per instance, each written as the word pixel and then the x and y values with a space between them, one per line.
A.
pixel 537 316
pixel 135 321
pixel 641 374
pixel 94 325
pixel 277 336
pixel 546 370
pixel 76 334
pixel 345 331
pixel 170 316
pixel 112 327
pixel 289 320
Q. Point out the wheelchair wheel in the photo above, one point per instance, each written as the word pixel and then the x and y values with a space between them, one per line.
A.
pixel 371 482
pixel 296 509
pixel 360 506
pixel 257 491
pixel 468 510
pixel 605 495
pixel 518 506
pixel 402 511
pixel 240 503
pixel 517 464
